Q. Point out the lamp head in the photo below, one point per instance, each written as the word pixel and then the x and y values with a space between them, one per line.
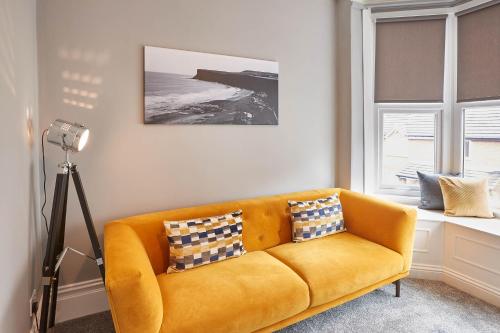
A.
pixel 69 136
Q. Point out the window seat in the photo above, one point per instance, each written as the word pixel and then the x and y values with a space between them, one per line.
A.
pixel 490 226
pixel 460 251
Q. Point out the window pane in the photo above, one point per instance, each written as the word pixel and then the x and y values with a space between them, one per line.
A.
pixel 482 132
pixel 408 146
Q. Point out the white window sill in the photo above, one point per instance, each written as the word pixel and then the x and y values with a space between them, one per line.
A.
pixel 490 226
pixel 402 199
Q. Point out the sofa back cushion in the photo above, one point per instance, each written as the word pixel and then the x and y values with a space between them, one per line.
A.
pixel 266 223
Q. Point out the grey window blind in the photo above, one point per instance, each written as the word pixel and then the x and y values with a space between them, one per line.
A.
pixel 409 60
pixel 478 52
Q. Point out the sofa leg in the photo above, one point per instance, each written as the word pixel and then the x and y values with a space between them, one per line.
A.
pixel 398 288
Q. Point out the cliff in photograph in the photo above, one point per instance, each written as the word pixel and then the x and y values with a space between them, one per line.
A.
pixel 259 82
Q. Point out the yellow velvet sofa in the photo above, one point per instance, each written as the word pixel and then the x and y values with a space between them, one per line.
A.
pixel 276 284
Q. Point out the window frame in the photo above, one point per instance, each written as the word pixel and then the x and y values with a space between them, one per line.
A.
pixel 405 108
pixel 474 106
pixel 450 119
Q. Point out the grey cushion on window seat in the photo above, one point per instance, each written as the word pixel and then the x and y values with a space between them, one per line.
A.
pixel 431 196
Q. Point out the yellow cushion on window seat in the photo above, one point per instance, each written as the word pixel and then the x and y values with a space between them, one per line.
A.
pixel 465 197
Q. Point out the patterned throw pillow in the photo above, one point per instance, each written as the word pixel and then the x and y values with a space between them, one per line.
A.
pixel 205 240
pixel 318 218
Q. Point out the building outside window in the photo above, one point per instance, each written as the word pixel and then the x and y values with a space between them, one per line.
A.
pixel 408 145
pixel 482 153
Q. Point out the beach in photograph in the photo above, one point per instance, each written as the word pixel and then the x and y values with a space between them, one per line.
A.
pixel 186 87
pixel 212 97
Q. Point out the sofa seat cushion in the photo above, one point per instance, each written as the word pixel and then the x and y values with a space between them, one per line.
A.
pixel 337 265
pixel 242 294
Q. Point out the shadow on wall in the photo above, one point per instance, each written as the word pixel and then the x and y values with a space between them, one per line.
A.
pixel 83 268
pixel 20 230
pixel 81 90
pixel 35 238
pixel 35 232
pixel 7 57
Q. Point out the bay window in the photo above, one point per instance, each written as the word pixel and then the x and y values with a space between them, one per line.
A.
pixel 432 95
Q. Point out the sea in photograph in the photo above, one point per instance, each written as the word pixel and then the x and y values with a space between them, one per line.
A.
pixel 212 97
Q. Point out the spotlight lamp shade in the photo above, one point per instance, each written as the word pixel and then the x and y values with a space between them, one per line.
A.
pixel 67 135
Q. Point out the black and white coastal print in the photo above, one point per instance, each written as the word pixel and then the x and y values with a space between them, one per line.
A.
pixel 183 87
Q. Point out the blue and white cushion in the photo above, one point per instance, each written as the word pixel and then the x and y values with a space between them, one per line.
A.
pixel 318 218
pixel 205 240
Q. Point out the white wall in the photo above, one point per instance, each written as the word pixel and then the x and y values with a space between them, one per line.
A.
pixel 130 168
pixel 343 91
pixel 18 167
pixel 349 102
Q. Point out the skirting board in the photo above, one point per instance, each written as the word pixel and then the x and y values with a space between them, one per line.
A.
pixel 77 300
pixel 81 299
pixel 458 280
pixel 89 297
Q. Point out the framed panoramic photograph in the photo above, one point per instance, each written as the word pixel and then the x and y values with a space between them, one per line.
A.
pixel 183 87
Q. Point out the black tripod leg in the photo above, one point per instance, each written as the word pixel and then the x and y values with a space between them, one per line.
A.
pixel 47 282
pixel 50 260
pixel 59 249
pixel 88 220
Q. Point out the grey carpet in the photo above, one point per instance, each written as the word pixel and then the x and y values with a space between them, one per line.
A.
pixel 96 323
pixel 424 306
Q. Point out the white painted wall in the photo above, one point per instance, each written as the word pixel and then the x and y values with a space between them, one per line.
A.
pixel 357 101
pixel 18 166
pixel 130 168
pixel 343 90
pixel 349 102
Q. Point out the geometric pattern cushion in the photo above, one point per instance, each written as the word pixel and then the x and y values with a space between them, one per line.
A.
pixel 203 241
pixel 318 218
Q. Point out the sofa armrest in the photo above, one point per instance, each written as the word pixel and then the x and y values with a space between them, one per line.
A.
pixel 385 223
pixel 133 291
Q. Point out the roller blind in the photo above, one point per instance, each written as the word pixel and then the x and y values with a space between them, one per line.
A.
pixel 478 52
pixel 409 60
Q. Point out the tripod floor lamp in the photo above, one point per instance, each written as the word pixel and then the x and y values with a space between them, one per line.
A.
pixel 71 137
